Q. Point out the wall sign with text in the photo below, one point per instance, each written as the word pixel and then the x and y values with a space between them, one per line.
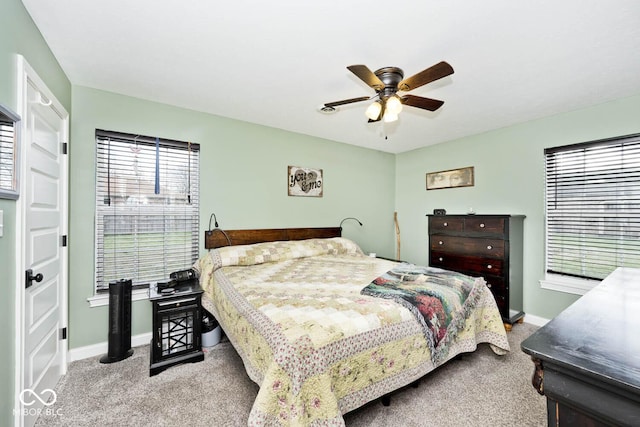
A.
pixel 304 182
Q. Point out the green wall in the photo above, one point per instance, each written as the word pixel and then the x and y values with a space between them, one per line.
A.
pixel 509 179
pixel 18 35
pixel 243 179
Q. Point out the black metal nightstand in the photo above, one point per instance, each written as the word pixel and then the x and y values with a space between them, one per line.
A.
pixel 176 327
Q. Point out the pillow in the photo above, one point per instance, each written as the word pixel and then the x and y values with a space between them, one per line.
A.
pixel 260 253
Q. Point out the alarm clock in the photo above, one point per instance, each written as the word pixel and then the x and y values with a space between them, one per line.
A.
pixel 439 212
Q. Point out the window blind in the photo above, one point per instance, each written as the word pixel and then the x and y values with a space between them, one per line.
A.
pixel 7 154
pixel 147 207
pixel 593 207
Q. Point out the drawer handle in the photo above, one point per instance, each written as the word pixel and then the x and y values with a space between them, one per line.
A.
pixel 177 302
pixel 489 266
pixel 445 224
pixel 489 247
pixel 482 225
pixel 440 242
pixel 440 259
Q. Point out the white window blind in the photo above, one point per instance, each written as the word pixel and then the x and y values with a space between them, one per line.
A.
pixel 147 214
pixel 593 207
pixel 8 172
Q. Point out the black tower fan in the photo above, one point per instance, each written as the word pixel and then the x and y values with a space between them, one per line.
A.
pixel 119 321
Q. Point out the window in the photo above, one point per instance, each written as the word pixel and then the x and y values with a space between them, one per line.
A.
pixel 9 131
pixel 147 215
pixel 593 208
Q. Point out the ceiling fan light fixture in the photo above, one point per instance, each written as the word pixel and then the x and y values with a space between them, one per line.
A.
pixel 394 105
pixel 389 117
pixel 373 111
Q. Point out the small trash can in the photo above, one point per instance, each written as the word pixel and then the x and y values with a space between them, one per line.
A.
pixel 211 331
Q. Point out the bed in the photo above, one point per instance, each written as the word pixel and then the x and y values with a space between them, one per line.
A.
pixel 323 328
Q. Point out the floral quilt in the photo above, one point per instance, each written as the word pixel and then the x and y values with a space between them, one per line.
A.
pixel 440 300
pixel 317 347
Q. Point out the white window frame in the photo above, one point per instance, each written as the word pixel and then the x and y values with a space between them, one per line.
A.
pixel 567 284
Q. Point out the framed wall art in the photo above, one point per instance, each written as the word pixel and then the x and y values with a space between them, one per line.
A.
pixel 462 177
pixel 305 182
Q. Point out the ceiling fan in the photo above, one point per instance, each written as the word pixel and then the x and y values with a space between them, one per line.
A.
pixel 387 82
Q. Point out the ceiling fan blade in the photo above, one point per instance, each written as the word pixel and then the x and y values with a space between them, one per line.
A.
pixel 367 76
pixel 420 102
pixel 346 101
pixel 433 73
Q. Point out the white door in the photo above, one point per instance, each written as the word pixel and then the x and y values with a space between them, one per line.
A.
pixel 44 251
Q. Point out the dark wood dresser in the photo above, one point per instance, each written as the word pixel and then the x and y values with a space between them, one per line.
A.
pixel 587 359
pixel 489 246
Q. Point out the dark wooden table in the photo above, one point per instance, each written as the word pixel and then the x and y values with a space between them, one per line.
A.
pixel 587 359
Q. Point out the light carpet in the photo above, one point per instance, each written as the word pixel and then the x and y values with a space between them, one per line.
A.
pixel 481 389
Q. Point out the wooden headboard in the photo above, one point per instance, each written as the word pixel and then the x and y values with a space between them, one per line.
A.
pixel 217 237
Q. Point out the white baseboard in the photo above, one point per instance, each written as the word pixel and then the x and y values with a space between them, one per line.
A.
pixel 103 347
pixel 535 320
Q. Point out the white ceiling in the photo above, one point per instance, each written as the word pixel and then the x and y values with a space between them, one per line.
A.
pixel 274 62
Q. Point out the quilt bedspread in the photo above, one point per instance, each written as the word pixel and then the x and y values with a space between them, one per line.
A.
pixel 314 344
pixel 440 300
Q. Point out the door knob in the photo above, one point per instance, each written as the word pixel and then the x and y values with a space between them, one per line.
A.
pixel 29 278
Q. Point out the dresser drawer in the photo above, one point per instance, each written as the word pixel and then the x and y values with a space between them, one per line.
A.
pixel 482 266
pixel 503 305
pixel 496 284
pixel 498 289
pixel 484 225
pixel 493 248
pixel 445 224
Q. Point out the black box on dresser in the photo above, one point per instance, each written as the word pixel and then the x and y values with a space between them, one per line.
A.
pixel 489 246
